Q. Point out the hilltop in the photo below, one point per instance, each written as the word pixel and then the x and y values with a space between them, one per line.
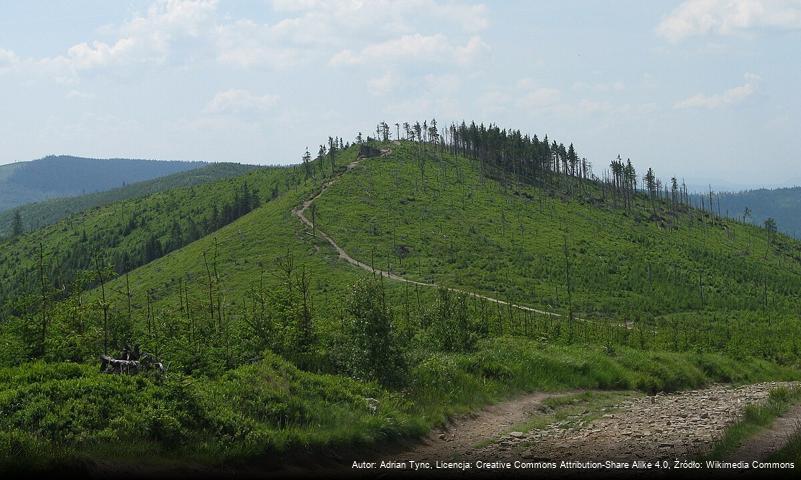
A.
pixel 61 176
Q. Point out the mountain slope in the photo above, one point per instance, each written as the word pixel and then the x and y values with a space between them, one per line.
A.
pixel 39 214
pixel 218 309
pixel 701 281
pixel 60 176
pixel 458 227
pixel 129 233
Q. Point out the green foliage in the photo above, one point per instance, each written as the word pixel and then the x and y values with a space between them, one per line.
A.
pixel 444 382
pixel 757 417
pixel 372 347
pixel 282 318
pixel 791 452
pixel 267 406
pixel 244 315
pixel 17 227
pixel 133 232
pixel 47 212
pixel 63 411
pixel 435 217
pixel 448 323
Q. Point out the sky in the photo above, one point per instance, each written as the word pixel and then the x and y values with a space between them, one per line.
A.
pixel 707 90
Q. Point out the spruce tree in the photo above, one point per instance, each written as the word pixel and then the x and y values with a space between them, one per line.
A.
pixel 16 226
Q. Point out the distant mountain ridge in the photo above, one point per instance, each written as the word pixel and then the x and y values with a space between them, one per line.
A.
pixel 781 204
pixel 60 176
pixel 38 214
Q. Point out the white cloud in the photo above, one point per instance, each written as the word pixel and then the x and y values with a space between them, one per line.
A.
pixel 7 58
pixel 171 31
pixel 149 37
pixel 426 106
pixel 417 48
pixel 245 43
pixel 77 94
pixel 384 84
pixel 617 86
pixel 585 107
pixel 540 97
pixel 313 28
pixel 387 15
pixel 84 55
pixel 729 97
pixel 727 17
pixel 240 101
pixel 534 96
pixel 446 83
pixel 146 38
pixel 594 106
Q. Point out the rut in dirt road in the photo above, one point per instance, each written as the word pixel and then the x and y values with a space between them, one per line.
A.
pixel 760 446
pixel 460 437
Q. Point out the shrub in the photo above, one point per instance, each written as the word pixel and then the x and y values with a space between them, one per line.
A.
pixel 373 351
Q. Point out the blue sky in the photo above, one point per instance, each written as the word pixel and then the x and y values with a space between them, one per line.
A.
pixel 704 89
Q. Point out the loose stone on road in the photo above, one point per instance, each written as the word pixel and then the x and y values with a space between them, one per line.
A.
pixel 681 425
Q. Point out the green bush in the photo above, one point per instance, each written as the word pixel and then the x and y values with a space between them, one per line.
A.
pixel 372 348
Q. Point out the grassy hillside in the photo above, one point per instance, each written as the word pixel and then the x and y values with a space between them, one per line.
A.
pixel 61 176
pixel 453 226
pixel 129 233
pixel 68 414
pixel 693 281
pixel 268 334
pixel 47 212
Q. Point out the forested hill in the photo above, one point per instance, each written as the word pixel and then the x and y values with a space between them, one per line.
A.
pixel 61 176
pixel 47 212
pixel 781 204
pixel 273 342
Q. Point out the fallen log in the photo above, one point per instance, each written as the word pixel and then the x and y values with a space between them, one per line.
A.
pixel 129 367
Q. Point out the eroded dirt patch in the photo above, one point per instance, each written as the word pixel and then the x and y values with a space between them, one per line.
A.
pixel 461 437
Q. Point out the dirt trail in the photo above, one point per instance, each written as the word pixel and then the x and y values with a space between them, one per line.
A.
pixel 761 445
pixel 300 212
pixel 459 439
pixel 681 425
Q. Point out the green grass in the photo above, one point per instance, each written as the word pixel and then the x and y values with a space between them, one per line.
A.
pixel 454 227
pixel 270 406
pixel 756 418
pixel 791 452
pixel 116 233
pixel 623 266
pixel 226 400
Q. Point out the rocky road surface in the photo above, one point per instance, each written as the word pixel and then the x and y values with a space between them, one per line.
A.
pixel 681 425
pixel 459 438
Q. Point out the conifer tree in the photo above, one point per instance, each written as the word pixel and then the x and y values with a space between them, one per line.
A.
pixel 16 226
